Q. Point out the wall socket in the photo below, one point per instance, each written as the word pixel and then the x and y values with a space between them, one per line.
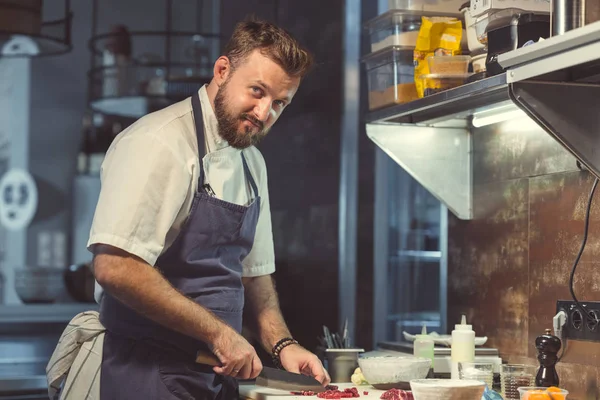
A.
pixel 578 327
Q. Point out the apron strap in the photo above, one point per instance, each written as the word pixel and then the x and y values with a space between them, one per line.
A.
pixel 199 123
pixel 249 177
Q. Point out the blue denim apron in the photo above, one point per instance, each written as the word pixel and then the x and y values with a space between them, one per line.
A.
pixel 145 360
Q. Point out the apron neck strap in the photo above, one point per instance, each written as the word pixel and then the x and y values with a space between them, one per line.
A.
pixel 199 123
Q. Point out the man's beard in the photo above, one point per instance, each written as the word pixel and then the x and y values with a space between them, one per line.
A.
pixel 228 124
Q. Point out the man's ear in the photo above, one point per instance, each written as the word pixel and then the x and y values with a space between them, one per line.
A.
pixel 221 70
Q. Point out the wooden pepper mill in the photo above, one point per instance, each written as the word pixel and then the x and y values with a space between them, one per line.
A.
pixel 548 346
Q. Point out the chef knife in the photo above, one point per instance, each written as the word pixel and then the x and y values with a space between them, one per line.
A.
pixel 271 377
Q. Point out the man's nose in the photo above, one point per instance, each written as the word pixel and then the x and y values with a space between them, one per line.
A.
pixel 263 109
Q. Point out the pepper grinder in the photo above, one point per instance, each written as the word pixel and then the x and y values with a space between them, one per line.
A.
pixel 548 346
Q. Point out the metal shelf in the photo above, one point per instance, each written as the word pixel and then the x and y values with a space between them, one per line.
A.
pixel 43 313
pixel 458 103
pixel 418 255
pixel 556 83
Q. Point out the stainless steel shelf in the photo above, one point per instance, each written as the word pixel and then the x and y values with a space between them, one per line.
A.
pixel 459 103
pixel 418 255
pixel 556 83
pixel 42 313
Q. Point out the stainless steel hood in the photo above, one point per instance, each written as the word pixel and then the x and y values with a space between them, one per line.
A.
pixel 556 83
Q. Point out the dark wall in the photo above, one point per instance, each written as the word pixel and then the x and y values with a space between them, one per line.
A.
pixel 509 266
pixel 302 155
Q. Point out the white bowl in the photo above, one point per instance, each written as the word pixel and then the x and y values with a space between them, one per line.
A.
pixel 446 389
pixel 393 369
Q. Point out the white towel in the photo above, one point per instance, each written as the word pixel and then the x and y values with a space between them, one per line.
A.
pixel 73 371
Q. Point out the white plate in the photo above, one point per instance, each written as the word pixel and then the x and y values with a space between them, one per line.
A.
pixel 445 340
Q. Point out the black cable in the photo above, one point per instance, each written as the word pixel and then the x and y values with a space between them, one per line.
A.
pixel 585 235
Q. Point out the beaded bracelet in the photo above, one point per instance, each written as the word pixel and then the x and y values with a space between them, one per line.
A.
pixel 283 343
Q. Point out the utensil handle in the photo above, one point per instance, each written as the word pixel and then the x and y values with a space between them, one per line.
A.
pixel 205 358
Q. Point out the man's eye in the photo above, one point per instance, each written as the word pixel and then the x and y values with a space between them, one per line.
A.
pixel 256 90
pixel 279 103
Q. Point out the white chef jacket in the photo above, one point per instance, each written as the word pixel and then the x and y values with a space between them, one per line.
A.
pixel 150 176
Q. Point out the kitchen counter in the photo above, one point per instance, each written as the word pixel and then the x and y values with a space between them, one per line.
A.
pixel 253 392
pixel 23 381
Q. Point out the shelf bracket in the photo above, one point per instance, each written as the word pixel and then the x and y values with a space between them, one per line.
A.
pixel 569 112
pixel 439 158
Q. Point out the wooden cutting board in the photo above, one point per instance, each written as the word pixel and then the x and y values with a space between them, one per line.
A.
pixel 253 392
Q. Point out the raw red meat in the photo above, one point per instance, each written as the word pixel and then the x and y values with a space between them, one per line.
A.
pixel 304 393
pixel 336 394
pixel 397 394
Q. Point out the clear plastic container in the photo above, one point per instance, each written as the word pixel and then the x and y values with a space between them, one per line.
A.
pixel 514 376
pixel 435 83
pixel 443 8
pixel 542 393
pixel 390 77
pixel 481 23
pixel 395 28
pixel 446 65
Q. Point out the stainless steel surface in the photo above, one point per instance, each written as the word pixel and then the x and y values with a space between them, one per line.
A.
pixel 381 244
pixel 459 103
pixel 566 111
pixel 566 15
pixel 22 378
pixel 556 53
pixel 444 269
pixel 440 159
pixel 348 197
pixel 407 347
pixel 510 150
pixel 47 313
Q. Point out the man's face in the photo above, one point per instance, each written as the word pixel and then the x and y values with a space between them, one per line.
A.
pixel 251 99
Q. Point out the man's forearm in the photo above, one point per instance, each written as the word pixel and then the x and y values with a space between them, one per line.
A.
pixel 141 287
pixel 263 304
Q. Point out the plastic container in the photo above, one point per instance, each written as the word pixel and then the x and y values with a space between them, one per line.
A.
pixel 479 63
pixel 514 376
pixel 477 371
pixel 442 8
pixel 446 389
pixel 390 77
pixel 542 393
pixel 448 65
pixel 463 345
pixel 423 345
pixel 380 370
pixel 474 45
pixel 435 83
pixel 394 28
pixel 480 24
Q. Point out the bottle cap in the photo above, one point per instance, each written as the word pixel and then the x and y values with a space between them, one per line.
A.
pixel 423 334
pixel 463 325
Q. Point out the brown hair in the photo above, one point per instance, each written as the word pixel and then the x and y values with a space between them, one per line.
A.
pixel 273 42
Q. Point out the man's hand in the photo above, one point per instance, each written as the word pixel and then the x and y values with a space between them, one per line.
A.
pixel 238 357
pixel 295 358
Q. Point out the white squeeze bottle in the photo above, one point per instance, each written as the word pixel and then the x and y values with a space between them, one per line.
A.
pixel 463 345
pixel 423 345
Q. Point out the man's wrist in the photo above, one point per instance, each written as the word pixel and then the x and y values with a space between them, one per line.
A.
pixel 278 348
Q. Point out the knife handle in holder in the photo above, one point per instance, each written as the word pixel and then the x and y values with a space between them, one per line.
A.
pixel 206 358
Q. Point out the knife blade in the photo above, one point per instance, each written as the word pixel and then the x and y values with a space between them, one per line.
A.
pixel 271 377
pixel 280 379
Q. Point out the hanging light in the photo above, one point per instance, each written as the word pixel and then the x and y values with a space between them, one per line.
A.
pixel 30 28
pixel 137 69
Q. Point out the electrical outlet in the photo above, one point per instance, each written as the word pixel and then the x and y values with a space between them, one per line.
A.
pixel 578 327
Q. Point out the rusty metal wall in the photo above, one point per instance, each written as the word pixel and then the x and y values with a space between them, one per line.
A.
pixel 509 265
